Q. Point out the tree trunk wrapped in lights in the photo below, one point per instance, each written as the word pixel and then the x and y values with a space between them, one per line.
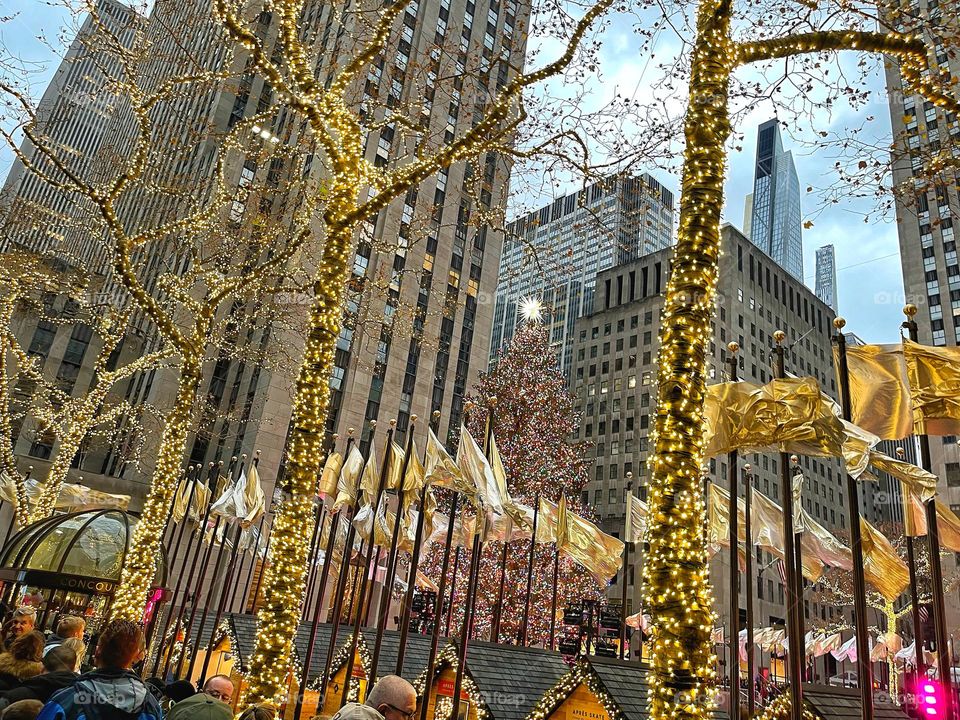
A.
pixel 354 191
pixel 677 593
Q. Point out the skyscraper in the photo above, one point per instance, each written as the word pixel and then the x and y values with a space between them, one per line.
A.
pixel 826 287
pixel 554 254
pixel 775 219
pixel 417 329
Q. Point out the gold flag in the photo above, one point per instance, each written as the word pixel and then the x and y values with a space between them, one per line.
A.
pixel 547 521
pixel 481 486
pixel 413 479
pixel 513 524
pixel 636 519
pixel 718 512
pixel 915 521
pixel 463 530
pixel 819 543
pixel 180 502
pixel 748 417
pixel 328 476
pixel 348 480
pixel 882 566
pixel 879 392
pixel 583 542
pixel 370 477
pixel 918 480
pixel 767 526
pixel 441 470
pixel 395 467
pixel 253 497
pixel 934 374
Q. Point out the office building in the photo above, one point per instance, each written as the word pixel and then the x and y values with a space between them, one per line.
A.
pixel 615 381
pixel 826 280
pixel 555 253
pixel 774 223
pixel 417 329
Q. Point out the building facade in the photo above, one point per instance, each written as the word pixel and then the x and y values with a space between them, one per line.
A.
pixel 615 382
pixel 826 280
pixel 774 208
pixel 555 253
pixel 417 323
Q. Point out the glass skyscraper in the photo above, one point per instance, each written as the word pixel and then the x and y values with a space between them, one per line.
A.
pixel 827 276
pixel 774 223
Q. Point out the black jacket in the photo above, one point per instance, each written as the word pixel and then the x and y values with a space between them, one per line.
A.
pixel 40 687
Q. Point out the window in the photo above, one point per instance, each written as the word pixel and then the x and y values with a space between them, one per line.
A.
pixel 953 474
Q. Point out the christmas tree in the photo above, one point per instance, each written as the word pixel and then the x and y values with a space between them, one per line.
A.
pixel 533 422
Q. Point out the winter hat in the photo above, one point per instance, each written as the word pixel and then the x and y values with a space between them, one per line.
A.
pixel 200 707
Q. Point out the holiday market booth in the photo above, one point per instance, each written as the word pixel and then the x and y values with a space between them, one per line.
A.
pixel 71 564
pixel 501 682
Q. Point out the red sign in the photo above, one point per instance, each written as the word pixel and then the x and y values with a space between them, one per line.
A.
pixel 445 688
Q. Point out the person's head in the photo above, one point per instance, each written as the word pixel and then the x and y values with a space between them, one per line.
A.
pixel 79 650
pixel 23 621
pixel 258 712
pixel 394 698
pixel 28 647
pixel 22 710
pixel 180 690
pixel 59 659
pixel 120 645
pixel 219 687
pixel 71 626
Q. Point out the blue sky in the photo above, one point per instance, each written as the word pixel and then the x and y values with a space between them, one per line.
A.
pixel 870 285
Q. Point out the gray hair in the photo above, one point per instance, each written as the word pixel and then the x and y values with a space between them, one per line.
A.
pixel 390 690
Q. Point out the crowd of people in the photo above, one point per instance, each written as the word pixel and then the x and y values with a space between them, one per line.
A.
pixel 51 678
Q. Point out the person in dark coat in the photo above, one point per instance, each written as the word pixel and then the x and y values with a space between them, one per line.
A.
pixel 113 690
pixel 57 674
pixel 22 661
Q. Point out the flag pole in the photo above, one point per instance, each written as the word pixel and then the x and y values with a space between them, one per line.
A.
pixel 474 577
pixel 748 589
pixel 201 523
pixel 944 661
pixel 169 532
pixel 210 590
pixel 226 590
pixel 387 594
pixel 864 667
pixel 341 586
pixel 453 588
pixel 324 576
pixel 628 537
pixel 798 563
pixel 498 608
pixel 175 539
pixel 914 593
pixel 405 610
pixel 435 638
pixel 524 623
pixel 795 658
pixel 734 577
pixel 351 658
pixel 553 601
pixel 318 524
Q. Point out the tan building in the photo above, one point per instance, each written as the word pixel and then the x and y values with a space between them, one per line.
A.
pixel 419 310
pixel 615 371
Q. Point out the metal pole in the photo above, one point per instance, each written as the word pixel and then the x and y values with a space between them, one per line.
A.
pixel 798 564
pixel 351 658
pixel 498 608
pixel 318 606
pixel 629 539
pixel 553 602
pixel 933 538
pixel 248 585
pixel 391 558
pixel 312 557
pixel 210 591
pixel 189 577
pixel 338 592
pixel 795 658
pixel 864 667
pixel 533 547
pixel 435 639
pixel 734 577
pixel 748 590
pixel 453 589
pixel 406 610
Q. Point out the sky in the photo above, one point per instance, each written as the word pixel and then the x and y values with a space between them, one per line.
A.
pixel 869 278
